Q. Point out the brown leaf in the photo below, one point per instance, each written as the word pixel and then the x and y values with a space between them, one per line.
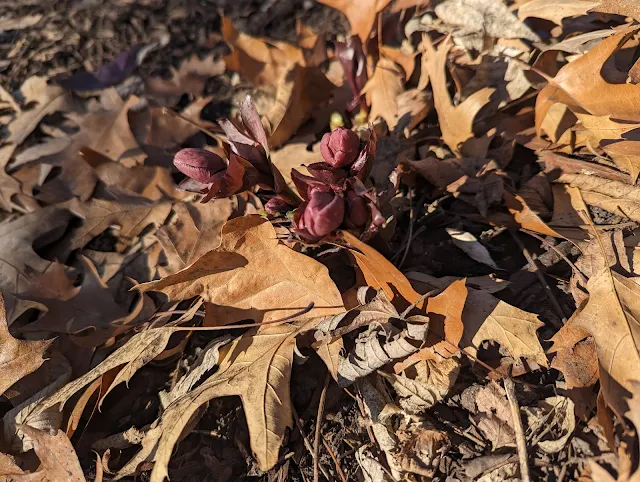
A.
pixel 488 318
pixel 18 358
pixel 361 15
pixel 581 86
pixel 610 316
pixel 380 273
pixel 18 260
pixel 58 459
pixel 110 132
pixel 252 276
pixel 190 78
pixel 382 90
pixel 555 10
pixel 295 155
pixel 300 91
pixel 132 214
pixel 88 312
pixel 627 8
pixel 48 99
pixel 195 232
pixel 413 107
pixel 456 122
pixel 262 63
pixel 406 61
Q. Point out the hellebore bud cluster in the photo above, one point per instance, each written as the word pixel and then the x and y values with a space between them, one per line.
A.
pixel 334 195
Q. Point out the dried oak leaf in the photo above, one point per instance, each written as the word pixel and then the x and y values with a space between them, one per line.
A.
pixel 250 275
pixel 190 78
pixel 263 280
pixel 110 207
pixel 583 85
pixel 361 15
pixel 263 63
pixel 628 8
pixel 300 91
pixel 195 232
pixel 611 317
pixel 18 260
pixel 382 91
pixel 88 312
pixel 18 358
pixel 58 458
pixel 555 10
pixel 456 122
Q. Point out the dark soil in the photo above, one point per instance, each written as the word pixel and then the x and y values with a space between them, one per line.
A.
pixel 77 35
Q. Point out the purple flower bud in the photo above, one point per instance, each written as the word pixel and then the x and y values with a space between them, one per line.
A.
pixel 322 214
pixel 199 164
pixel 340 147
pixel 357 210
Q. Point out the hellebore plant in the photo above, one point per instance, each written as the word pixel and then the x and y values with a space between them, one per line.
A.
pixel 334 195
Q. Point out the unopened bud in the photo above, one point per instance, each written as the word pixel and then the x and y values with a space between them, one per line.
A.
pixel 323 214
pixel 199 164
pixel 340 147
pixel 357 210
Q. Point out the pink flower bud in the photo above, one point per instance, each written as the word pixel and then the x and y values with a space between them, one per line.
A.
pixel 199 164
pixel 357 210
pixel 322 214
pixel 340 147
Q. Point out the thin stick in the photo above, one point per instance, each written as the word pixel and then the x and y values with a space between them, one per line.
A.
pixel 541 278
pixel 334 458
pixel 575 269
pixel 316 442
pixel 246 325
pixel 412 220
pixel 521 442
pixel 307 444
pixel 166 110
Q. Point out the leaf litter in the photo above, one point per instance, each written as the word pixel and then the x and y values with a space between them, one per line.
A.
pixel 404 251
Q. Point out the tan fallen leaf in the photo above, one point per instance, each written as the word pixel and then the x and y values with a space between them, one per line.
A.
pixel 88 312
pixel 300 91
pixel 555 10
pixel 132 214
pixel 627 8
pixel 47 99
pixel 295 155
pixel 108 131
pixel 382 91
pixel 474 20
pixel 616 333
pixel 404 60
pixel 413 107
pixel 424 384
pixel 614 196
pixel 250 275
pixel 18 260
pixel 195 232
pixel 262 63
pixel 380 273
pixel 190 78
pixel 581 85
pixel 456 122
pixel 18 358
pixel 58 459
pixel 361 15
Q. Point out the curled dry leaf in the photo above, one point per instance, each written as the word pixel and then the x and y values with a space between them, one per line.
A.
pixel 468 243
pixel 424 384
